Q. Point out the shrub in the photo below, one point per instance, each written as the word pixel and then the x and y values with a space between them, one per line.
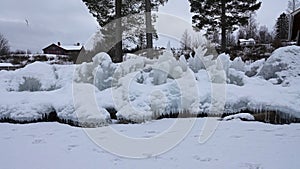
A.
pixel 30 84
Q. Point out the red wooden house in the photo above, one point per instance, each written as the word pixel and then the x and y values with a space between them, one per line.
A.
pixel 58 49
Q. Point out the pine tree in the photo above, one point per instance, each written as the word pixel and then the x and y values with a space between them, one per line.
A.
pixel 226 15
pixel 282 27
pixel 4 46
pixel 149 6
pixel 106 11
pixel 130 28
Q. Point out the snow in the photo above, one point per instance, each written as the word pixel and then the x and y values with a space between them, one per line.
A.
pixel 142 89
pixel 235 144
pixel 6 65
pixel 242 116
pixel 72 47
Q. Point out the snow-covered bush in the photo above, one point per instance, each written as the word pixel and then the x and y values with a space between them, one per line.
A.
pixel 42 72
pixel 30 84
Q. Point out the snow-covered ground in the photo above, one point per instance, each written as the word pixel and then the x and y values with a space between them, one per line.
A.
pixel 235 145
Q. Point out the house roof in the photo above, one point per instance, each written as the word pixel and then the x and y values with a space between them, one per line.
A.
pixel 67 48
pixel 71 47
pixel 247 40
pixel 6 65
pixel 295 12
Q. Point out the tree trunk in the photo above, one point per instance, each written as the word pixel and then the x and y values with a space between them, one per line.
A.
pixel 118 47
pixel 149 31
pixel 223 25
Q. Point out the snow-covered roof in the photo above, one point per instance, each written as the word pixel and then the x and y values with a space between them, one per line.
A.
pixel 71 47
pixel 295 12
pixel 247 40
pixel 67 47
pixel 6 65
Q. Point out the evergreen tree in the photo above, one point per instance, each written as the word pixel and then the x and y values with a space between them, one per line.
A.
pixel 216 37
pixel 108 14
pixel 226 15
pixel 282 27
pixel 128 28
pixel 4 47
pixel 151 5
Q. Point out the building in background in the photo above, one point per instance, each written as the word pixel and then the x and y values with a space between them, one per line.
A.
pixel 294 33
pixel 58 49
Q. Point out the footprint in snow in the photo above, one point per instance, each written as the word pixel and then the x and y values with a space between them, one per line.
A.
pixel 236 136
pixel 6 138
pixel 207 159
pixel 98 150
pixel 72 146
pixel 151 132
pixel 268 130
pixel 38 141
pixel 280 135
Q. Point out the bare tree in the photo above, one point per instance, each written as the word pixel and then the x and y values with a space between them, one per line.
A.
pixel 251 28
pixel 4 46
pixel 264 35
pixel 186 41
pixel 293 5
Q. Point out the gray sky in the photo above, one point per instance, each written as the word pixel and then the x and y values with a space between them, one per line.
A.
pixel 69 22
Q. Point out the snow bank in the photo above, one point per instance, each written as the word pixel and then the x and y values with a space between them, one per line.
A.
pixel 140 89
pixel 283 66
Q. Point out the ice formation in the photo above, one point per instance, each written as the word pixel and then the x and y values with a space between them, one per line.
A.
pixel 140 89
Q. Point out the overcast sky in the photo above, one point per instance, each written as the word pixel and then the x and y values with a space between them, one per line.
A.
pixel 69 21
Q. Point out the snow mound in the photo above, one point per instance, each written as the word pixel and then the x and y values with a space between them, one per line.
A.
pixel 282 66
pixel 241 116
